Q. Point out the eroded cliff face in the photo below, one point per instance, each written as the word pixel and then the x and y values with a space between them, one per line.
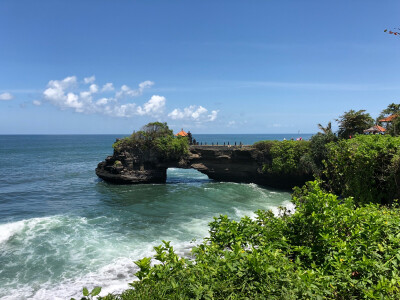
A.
pixel 221 163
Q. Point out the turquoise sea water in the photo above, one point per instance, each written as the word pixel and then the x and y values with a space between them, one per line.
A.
pixel 61 228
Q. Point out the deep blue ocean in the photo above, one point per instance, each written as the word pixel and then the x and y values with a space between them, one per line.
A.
pixel 61 228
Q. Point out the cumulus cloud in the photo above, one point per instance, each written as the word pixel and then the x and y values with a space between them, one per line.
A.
pixel 213 115
pixel 121 111
pixel 194 113
pixel 108 87
pixel 103 101
pixel 89 99
pixel 126 91
pixel 66 94
pixel 90 79
pixel 6 96
pixel 57 94
pixel 37 102
pixel 154 107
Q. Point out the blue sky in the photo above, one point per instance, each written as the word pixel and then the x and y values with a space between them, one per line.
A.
pixel 207 66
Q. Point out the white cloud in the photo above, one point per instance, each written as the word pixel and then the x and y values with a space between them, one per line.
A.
pixel 108 87
pixel 126 91
pixel 193 112
pixel 102 101
pixel 6 96
pixel 37 102
pixel 154 107
pixel 56 93
pixel 94 88
pixel 121 111
pixel 145 84
pixel 67 95
pixel 213 115
pixel 90 79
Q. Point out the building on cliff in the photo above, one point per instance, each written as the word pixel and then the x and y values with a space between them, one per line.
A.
pixel 182 133
pixel 185 134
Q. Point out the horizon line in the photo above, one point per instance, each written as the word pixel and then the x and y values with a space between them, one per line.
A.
pixel 131 133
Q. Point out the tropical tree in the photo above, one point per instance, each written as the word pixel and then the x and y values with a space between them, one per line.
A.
pixel 353 122
pixel 327 129
pixel 392 127
pixel 391 109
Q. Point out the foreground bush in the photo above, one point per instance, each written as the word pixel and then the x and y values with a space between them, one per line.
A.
pixel 327 249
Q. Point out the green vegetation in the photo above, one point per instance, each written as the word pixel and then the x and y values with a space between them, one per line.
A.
pixel 366 167
pixel 89 295
pixel 286 157
pixel 331 247
pixel 327 249
pixel 156 137
pixel 319 152
pixel 353 122
pixel 393 128
pixel 295 157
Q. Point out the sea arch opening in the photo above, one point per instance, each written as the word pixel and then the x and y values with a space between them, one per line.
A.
pixel 186 175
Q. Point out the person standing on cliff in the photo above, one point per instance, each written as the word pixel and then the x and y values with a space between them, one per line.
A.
pixel 190 138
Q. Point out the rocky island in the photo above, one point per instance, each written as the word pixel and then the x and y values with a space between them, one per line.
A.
pixel 147 154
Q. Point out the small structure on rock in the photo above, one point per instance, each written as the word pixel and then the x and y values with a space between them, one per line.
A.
pixel 181 133
pixel 186 134
pixel 375 130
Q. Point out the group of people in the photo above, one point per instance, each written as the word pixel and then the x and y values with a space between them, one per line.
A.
pixel 292 139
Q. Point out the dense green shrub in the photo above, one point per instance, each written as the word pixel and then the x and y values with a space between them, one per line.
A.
pixel 265 146
pixel 327 249
pixel 319 152
pixel 296 157
pixel 286 157
pixel 158 137
pixel 172 147
pixel 365 167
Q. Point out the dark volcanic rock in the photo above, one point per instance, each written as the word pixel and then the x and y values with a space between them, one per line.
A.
pixel 221 163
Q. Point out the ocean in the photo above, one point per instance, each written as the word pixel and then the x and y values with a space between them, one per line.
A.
pixel 62 228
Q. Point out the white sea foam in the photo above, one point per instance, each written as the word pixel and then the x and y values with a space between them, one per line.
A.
pixel 10 229
pixel 197 227
pixel 81 239
pixel 240 213
pixel 113 278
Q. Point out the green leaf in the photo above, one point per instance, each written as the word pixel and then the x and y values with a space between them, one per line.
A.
pixel 96 291
pixel 85 292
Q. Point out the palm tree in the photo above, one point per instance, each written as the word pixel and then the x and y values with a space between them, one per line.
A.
pixel 327 129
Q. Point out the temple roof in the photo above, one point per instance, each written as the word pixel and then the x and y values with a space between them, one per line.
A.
pixel 181 133
pixel 389 119
pixel 375 128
